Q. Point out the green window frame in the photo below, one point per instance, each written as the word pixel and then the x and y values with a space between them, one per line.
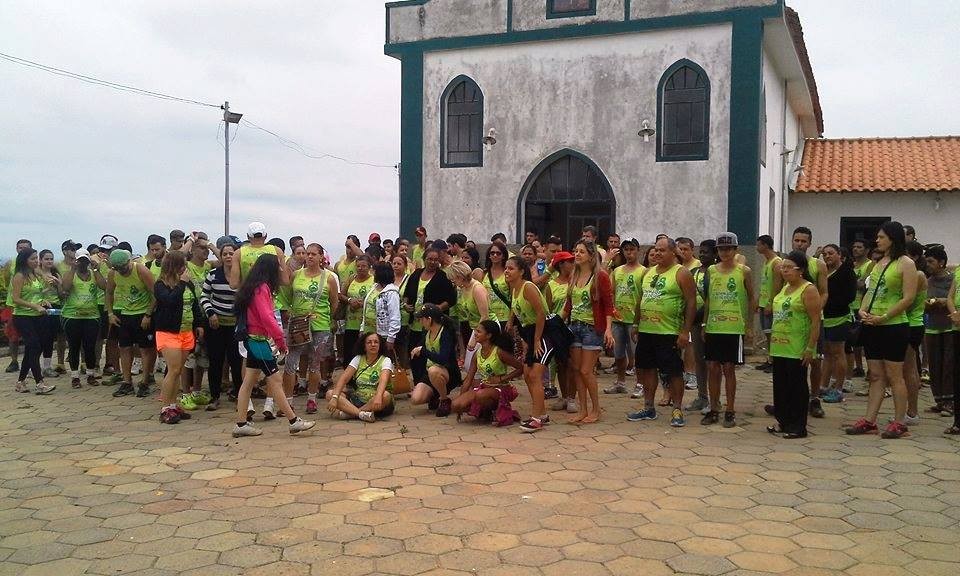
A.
pixel 556 9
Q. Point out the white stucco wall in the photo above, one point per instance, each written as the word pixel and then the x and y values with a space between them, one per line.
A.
pixel 447 18
pixel 822 213
pixel 589 95
pixel 658 8
pixel 532 14
pixel 772 175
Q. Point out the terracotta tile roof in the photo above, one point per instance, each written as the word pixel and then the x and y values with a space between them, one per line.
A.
pixel 929 163
pixel 796 33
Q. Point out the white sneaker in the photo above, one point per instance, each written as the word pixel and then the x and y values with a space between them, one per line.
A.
pixel 559 404
pixel 300 425
pixel 848 387
pixel 367 416
pixel 246 430
pixel 341 415
pixel 137 367
pixel 689 381
pixel 269 411
pixel 41 388
pixel 637 392
pixel 617 388
pixel 250 410
pixel 908 420
pixel 631 372
pixel 573 406
pixel 161 365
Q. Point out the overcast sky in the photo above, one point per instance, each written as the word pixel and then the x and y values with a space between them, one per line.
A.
pixel 78 160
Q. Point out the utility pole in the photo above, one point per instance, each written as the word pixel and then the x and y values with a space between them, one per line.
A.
pixel 228 119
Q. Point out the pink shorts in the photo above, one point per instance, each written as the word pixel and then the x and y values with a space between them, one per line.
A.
pixel 176 340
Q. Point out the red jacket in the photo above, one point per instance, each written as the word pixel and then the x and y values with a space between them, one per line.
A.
pixel 602 306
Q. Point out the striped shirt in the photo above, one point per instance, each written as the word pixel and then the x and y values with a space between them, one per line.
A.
pixel 217 296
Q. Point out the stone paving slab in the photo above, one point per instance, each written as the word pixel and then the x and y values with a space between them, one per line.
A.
pixel 90 484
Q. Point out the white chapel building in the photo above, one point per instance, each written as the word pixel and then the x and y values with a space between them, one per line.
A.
pixel 637 116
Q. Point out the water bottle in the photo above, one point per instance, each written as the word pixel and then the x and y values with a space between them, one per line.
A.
pixel 53 311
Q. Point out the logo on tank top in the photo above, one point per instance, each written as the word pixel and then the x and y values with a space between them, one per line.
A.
pixel 314 287
pixel 731 285
pixel 375 375
pixel 784 312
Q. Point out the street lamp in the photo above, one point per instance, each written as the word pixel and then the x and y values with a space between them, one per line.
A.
pixel 228 119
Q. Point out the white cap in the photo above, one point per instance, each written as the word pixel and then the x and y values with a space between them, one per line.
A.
pixel 82 253
pixel 256 229
pixel 108 242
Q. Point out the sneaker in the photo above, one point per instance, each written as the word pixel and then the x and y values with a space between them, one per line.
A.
pixel 311 406
pixel 75 382
pixel 21 387
pixel 201 397
pixel 366 416
pixel 863 392
pixel 143 390
pixel 169 416
pixel 341 415
pixel 858 373
pixel 300 425
pixel 908 420
pixel 550 392
pixel 637 392
pixel 124 389
pixel 160 366
pixel 572 407
pixel 531 425
pixel 610 370
pixel 246 430
pixel 250 411
pixel 862 426
pixel 689 381
pixel 631 372
pixel 41 389
pixel 729 419
pixel 894 430
pixel 832 396
pixel 617 388
pixel 13 367
pixel 698 404
pixel 816 410
pixel 61 369
pixel 187 402
pixel 137 367
pixel 443 410
pixel 213 406
pixel 763 366
pixel 676 419
pixel 559 404
pixel 711 417
pixel 269 412
pixel 847 387
pixel 50 373
pixel 184 415
pixel 92 380
pixel 645 414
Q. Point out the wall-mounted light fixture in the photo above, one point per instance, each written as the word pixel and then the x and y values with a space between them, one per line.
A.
pixel 490 139
pixel 646 131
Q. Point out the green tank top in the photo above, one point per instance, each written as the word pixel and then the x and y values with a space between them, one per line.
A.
pixel 249 255
pixel 860 271
pixel 492 365
pixel 357 289
pixel 404 315
pixel 558 293
pixel 581 305
pixel 189 296
pixel 728 301
pixel 51 293
pixel 346 271
pixel 154 267
pixel 522 309
pixel 813 268
pixel 81 303
pixel 309 295
pixel 130 295
pixel 766 281
pixel 499 310
pixel 699 282
pixel 368 378
pixel 626 291
pixel 471 312
pixel 661 306
pixel 370 309
pixel 198 273
pixel 433 345
pixel 889 291
pixel 791 323
pixel 32 292
pixel 916 310
pixel 418 256
pixel 414 323
pixel 102 294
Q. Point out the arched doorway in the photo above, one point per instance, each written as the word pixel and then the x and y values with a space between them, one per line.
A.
pixel 564 193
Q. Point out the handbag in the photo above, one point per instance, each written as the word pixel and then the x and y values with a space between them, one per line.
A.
pixel 857 328
pixel 298 330
pixel 400 381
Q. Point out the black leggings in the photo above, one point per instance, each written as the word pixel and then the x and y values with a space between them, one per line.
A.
pixel 48 335
pixel 30 329
pixel 82 335
pixel 221 346
pixel 791 395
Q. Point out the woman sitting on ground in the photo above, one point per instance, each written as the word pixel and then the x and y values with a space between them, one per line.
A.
pixel 371 369
pixel 492 368
pixel 439 349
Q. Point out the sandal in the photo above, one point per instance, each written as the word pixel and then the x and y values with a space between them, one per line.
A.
pixel 952 431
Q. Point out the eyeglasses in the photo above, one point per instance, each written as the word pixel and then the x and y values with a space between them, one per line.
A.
pixel 496 253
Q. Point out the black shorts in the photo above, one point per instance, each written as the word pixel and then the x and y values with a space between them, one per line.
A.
pixel 916 336
pixel 887 343
pixel 839 333
pixel 546 346
pixel 354 397
pixel 724 348
pixel 131 333
pixel 660 352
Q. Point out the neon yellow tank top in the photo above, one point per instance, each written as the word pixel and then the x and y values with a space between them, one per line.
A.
pixel 766 281
pixel 728 301
pixel 889 291
pixel 917 308
pixel 310 295
pixel 433 345
pixel 499 309
pixel 558 293
pixel 32 292
pixel 581 305
pixel 81 303
pixel 661 306
pixel 369 323
pixel 471 312
pixel 249 255
pixel 791 323
pixel 626 291
pixel 130 295
pixel 492 365
pixel 414 323
pixel 357 289
pixel 522 309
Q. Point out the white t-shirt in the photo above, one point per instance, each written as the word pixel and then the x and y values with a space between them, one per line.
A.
pixel 387 363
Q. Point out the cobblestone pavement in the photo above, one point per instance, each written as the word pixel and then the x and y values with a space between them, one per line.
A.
pixel 92 484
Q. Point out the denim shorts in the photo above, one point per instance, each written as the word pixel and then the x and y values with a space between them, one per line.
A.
pixel 622 345
pixel 585 336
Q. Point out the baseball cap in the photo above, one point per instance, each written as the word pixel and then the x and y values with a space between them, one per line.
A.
pixel 562 256
pixel 119 258
pixel 70 245
pixel 108 242
pixel 431 311
pixel 726 239
pixel 256 229
pixel 420 231
pixel 227 241
pixel 373 236
pixel 81 253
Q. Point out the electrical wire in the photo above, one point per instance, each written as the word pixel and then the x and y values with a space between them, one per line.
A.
pixel 297 147
pixel 99 82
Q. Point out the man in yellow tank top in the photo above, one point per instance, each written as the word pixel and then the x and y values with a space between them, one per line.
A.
pixel 817 269
pixel 257 235
pixel 771 282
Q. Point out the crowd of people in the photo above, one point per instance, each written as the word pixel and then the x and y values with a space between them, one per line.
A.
pixel 264 318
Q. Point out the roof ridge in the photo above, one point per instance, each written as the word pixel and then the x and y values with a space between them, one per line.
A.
pixel 884 138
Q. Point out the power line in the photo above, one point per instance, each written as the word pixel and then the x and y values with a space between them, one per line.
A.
pixel 100 82
pixel 300 148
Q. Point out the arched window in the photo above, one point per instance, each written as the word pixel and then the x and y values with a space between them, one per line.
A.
pixel 683 113
pixel 461 124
